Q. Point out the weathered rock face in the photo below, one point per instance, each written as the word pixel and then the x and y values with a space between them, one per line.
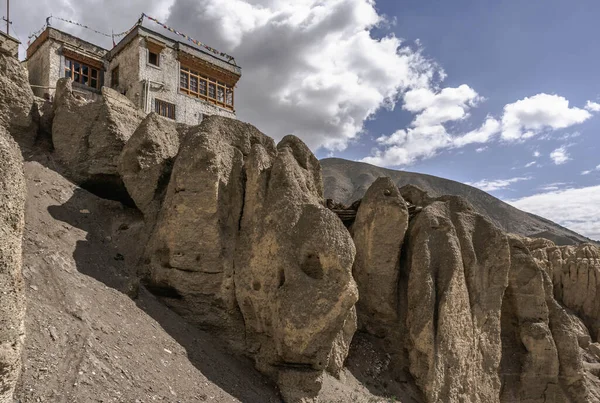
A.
pixel 471 308
pixel 12 305
pixel 575 273
pixel 293 271
pixel 192 247
pixel 16 101
pixel 88 137
pixel 147 160
pixel 382 217
pixel 458 266
pixel 243 244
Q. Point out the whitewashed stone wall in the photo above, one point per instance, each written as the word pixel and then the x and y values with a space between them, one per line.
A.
pixel 134 70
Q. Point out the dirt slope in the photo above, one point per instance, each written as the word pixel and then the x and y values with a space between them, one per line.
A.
pixel 346 181
pixel 87 341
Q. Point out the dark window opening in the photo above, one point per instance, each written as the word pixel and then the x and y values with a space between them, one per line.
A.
pixel 114 77
pixel 164 109
pixel 153 58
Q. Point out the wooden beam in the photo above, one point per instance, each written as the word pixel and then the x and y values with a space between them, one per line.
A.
pixel 78 57
pixel 208 69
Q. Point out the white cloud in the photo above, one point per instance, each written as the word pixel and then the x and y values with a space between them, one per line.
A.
pixel 521 120
pixel 481 149
pixel 592 106
pixel 310 67
pixel 489 128
pixel 449 104
pixel 576 209
pixel 560 155
pixel 532 163
pixel 591 170
pixel 488 185
pixel 528 117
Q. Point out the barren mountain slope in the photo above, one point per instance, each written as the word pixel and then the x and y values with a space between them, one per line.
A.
pixel 346 181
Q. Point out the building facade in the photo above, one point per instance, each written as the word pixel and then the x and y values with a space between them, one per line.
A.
pixel 157 73
pixel 56 54
pixel 9 45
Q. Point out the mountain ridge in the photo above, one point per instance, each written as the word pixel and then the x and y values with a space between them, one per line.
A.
pixel 346 181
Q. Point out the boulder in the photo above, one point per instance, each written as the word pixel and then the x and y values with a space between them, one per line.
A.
pixel 88 137
pixel 12 304
pixel 191 250
pixel 457 264
pixel 17 110
pixel 147 159
pixel 378 233
pixel 293 277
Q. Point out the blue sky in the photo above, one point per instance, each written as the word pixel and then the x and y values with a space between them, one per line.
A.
pixel 503 95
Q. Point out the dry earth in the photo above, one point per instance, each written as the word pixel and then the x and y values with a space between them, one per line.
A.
pixel 87 341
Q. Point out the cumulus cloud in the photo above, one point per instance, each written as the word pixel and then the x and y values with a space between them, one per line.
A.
pixel 592 106
pixel 537 154
pixel 560 155
pixel 481 149
pixel 575 209
pixel 311 68
pixel 528 117
pixel 428 135
pixel 489 185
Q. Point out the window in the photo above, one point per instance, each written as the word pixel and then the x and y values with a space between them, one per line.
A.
pixel 153 58
pixel 82 73
pixel 164 109
pixel 203 87
pixel 114 77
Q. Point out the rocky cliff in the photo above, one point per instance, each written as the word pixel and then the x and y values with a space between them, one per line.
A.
pixel 12 307
pixel 224 240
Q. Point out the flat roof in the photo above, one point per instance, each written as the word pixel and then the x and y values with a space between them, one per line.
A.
pixel 49 33
pixel 10 37
pixel 172 38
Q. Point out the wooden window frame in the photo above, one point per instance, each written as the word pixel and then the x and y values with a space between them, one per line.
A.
pixel 164 108
pixel 150 53
pixel 203 88
pixel 71 72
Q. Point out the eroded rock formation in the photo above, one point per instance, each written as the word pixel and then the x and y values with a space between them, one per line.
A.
pixel 17 112
pixel 88 137
pixel 146 161
pixel 12 304
pixel 243 244
pixel 575 273
pixel 480 321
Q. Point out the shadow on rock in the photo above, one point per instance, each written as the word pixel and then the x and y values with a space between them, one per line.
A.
pixel 109 245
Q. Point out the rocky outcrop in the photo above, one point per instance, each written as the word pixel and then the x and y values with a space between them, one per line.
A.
pixel 147 159
pixel 17 111
pixel 12 305
pixel 192 247
pixel 382 216
pixel 469 311
pixel 575 273
pixel 88 137
pixel 293 270
pixel 458 265
pixel 242 244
